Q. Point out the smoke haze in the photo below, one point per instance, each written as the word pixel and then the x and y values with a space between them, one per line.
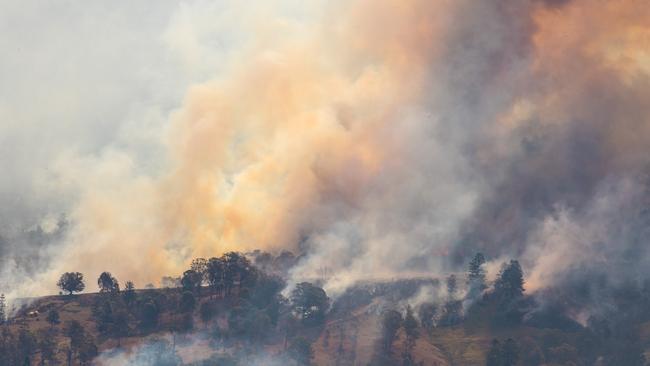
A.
pixel 377 138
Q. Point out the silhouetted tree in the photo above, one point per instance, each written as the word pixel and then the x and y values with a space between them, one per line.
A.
pixel 476 274
pixel 129 293
pixel 191 280
pixel 427 313
pixel 71 282
pixel 237 271
pixel 215 272
pixel 452 286
pixel 452 313
pixel 3 309
pixel 107 283
pixel 200 266
pixel 410 325
pixel 309 302
pixel 391 322
pixel 510 283
pixel 266 289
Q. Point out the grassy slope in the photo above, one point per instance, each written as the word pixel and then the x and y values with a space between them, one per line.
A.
pixel 344 341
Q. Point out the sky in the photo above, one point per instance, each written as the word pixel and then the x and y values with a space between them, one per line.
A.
pixel 377 138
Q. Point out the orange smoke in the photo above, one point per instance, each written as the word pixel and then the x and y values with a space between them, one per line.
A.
pixel 254 155
pixel 299 125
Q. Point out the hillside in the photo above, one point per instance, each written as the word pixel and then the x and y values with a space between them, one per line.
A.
pixel 348 337
pixel 239 310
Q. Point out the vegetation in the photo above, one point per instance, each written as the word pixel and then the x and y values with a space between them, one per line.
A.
pixel 53 317
pixel 107 283
pixel 243 314
pixel 392 321
pixel 3 309
pixel 309 303
pixel 71 282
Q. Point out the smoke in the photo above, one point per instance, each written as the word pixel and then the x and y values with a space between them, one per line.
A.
pixel 194 348
pixel 377 138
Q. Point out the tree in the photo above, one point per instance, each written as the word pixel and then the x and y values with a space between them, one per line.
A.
pixel 266 289
pixel 200 266
pixel 391 322
pixel 510 283
pixel 52 317
pixel 476 274
pixel 3 309
pixel 107 283
pixel 300 351
pixel 191 280
pixel 129 293
pixel 215 271
pixel 452 286
pixel 71 282
pixel 309 302
pixel 427 314
pixel 410 325
pixel 237 270
pixel 452 313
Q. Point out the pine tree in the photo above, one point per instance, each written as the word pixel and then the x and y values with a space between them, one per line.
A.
pixel 510 284
pixel 3 309
pixel 476 273
pixel 410 325
pixel 452 286
pixel 129 293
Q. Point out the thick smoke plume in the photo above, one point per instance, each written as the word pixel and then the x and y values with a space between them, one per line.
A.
pixel 388 138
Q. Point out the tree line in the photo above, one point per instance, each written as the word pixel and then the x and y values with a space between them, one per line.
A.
pixel 230 285
pixel 506 294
